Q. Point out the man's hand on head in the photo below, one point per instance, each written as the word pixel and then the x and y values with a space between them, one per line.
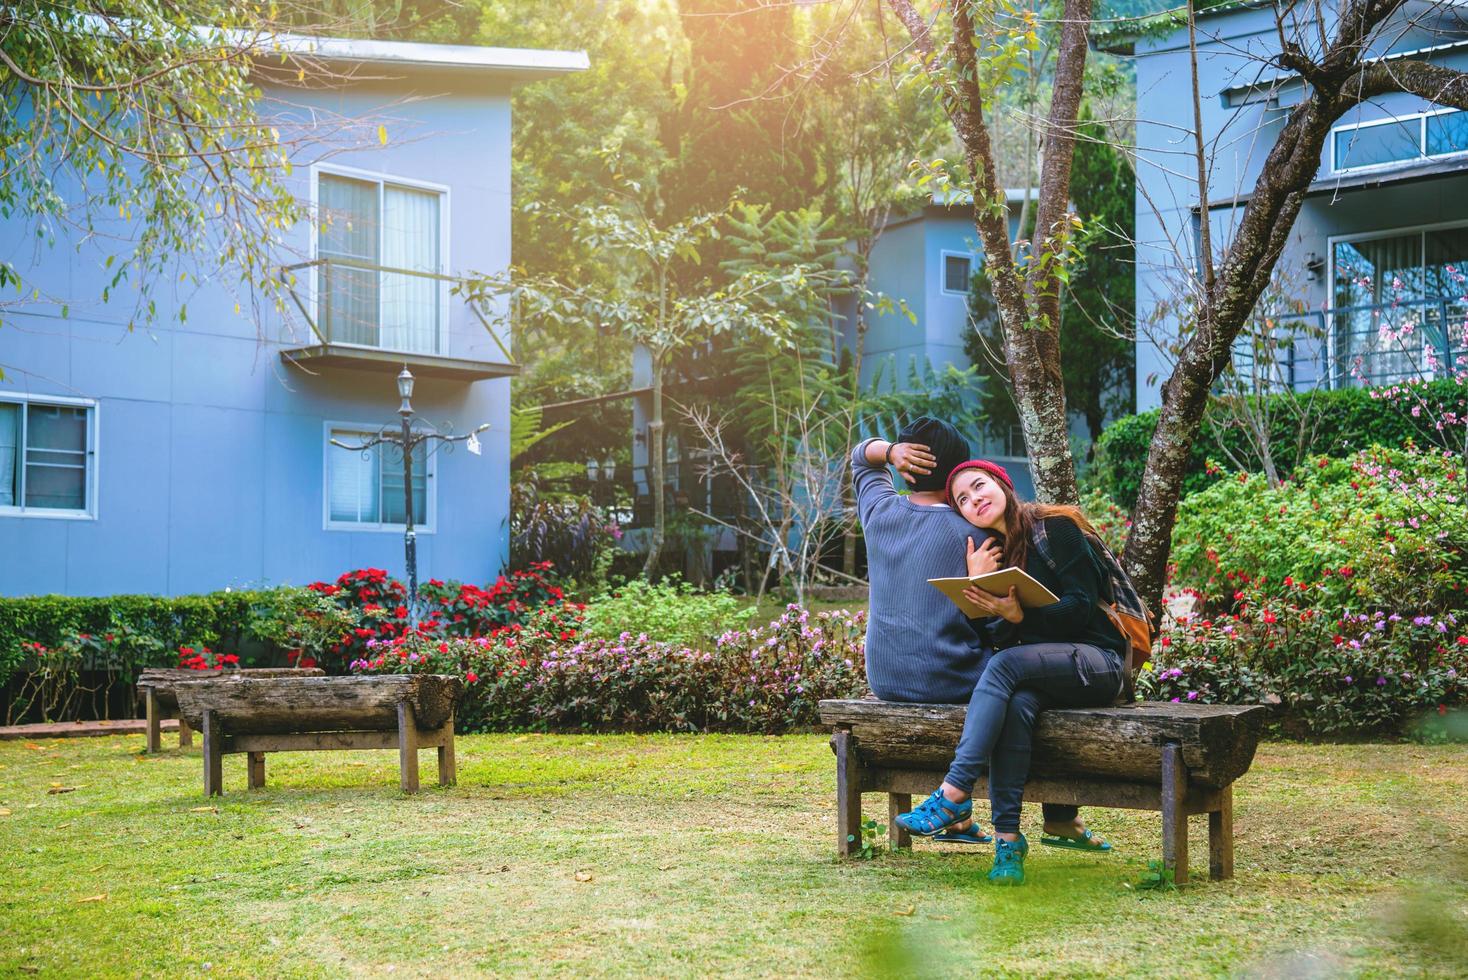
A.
pixel 911 460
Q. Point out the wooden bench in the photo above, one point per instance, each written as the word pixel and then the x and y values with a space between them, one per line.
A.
pixel 250 715
pixel 155 688
pixel 1179 759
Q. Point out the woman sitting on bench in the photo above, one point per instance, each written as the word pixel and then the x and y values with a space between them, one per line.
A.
pixel 1067 654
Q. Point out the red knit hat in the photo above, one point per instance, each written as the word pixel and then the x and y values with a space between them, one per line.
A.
pixel 993 469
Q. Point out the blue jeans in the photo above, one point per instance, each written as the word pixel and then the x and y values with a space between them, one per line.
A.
pixel 1016 685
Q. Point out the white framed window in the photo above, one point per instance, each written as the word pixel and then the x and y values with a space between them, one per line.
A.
pixel 1398 139
pixel 957 272
pixel 384 240
pixel 48 457
pixel 363 490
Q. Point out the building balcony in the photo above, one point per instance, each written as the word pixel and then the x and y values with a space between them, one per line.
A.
pixel 379 318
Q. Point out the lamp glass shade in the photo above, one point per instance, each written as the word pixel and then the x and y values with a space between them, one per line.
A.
pixel 405 383
pixel 608 469
pixel 591 468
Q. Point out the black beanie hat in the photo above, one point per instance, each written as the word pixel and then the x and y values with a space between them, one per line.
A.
pixel 943 441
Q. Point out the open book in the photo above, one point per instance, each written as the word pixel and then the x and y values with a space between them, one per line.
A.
pixel 1030 592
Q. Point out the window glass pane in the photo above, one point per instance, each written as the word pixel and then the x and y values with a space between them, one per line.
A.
pixel 410 239
pixel 1446 263
pixel 1447 133
pixel 348 230
pixel 955 273
pixel 1384 143
pixel 9 453
pixel 392 485
pixel 56 457
pixel 1378 270
pixel 352 480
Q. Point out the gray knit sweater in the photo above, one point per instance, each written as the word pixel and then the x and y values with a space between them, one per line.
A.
pixel 919 646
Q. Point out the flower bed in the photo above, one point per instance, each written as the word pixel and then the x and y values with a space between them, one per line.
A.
pixel 546 675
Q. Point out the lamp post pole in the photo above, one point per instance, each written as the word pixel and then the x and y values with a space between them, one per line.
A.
pixel 410 537
pixel 406 441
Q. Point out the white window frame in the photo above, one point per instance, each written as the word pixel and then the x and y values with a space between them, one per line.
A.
pixel 944 256
pixel 381 178
pixel 422 524
pixel 1422 154
pixel 93 454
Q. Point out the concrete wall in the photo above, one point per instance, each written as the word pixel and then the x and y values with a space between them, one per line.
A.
pixel 210 451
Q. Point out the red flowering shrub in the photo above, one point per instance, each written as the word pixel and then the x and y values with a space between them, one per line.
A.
pixel 200 657
pixel 450 609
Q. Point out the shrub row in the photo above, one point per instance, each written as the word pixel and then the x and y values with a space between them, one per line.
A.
pixel 215 618
pixel 1355 673
pixel 546 675
pixel 1342 421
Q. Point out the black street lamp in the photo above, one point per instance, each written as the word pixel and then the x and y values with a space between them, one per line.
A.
pixel 406 442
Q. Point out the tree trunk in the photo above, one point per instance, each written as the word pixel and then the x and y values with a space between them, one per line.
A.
pixel 659 466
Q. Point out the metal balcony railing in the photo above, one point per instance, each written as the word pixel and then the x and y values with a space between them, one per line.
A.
pixel 360 304
pixel 1368 345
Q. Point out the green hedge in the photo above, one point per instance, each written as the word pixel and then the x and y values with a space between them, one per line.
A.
pixel 1344 421
pixel 47 619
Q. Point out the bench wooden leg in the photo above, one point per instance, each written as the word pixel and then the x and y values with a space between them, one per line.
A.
pixel 155 737
pixel 848 796
pixel 897 836
pixel 213 756
pixel 256 769
pixel 407 748
pixel 1174 813
pixel 1221 837
pixel 185 734
pixel 448 773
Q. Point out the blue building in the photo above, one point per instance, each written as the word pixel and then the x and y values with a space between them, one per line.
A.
pixel 196 455
pixel 1383 232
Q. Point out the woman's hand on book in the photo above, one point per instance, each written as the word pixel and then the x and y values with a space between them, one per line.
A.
pixel 912 460
pixel 983 559
pixel 1005 607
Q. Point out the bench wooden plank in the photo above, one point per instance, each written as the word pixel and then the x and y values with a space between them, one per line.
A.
pixel 287 705
pixel 1217 741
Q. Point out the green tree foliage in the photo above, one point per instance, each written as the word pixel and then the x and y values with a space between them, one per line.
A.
pixel 128 123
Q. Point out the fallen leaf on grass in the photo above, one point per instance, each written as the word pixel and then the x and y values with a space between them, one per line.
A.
pixel 584 875
pixel 56 790
pixel 905 910
pixel 4 811
pixel 33 745
pixel 523 738
pixel 204 809
pixel 96 869
pixel 92 898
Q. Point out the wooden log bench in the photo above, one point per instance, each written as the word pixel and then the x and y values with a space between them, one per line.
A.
pixel 1180 759
pixel 155 689
pixel 253 716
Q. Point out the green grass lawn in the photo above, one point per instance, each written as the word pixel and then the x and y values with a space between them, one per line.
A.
pixel 681 855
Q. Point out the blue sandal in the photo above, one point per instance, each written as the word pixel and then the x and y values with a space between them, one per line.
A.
pixel 971 835
pixel 1009 861
pixel 934 815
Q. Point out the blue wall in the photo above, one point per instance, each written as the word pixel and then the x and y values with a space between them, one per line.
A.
pixel 211 450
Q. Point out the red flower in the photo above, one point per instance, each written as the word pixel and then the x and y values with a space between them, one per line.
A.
pixel 471 677
pixel 1338 639
pixel 401 612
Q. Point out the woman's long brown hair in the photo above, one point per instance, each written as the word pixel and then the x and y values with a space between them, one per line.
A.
pixel 1019 524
